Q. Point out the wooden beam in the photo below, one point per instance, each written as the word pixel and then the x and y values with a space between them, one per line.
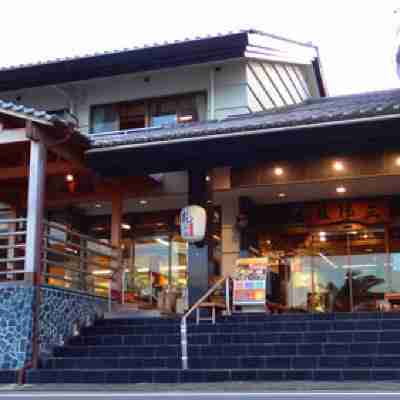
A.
pixel 12 135
pixel 53 168
pixel 60 146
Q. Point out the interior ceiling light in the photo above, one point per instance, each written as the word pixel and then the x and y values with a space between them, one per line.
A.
pixel 98 205
pixel 69 178
pixel 143 202
pixel 126 227
pixel 322 238
pixel 322 233
pixel 281 195
pixel 398 161
pixel 341 189
pixel 278 171
pixel 338 166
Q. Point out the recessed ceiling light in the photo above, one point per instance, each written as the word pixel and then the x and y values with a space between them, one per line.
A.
pixel 208 178
pixel 69 178
pixel 143 202
pixel 341 189
pixel 281 195
pixel 278 171
pixel 338 166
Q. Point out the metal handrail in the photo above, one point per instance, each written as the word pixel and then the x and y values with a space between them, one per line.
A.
pixel 195 306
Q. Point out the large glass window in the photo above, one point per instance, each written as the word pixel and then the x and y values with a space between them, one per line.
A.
pixel 334 269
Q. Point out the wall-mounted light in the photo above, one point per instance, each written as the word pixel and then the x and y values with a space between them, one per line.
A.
pixel 398 161
pixel 282 195
pixel 278 171
pixel 69 178
pixel 338 166
pixel 125 227
pixel 98 205
pixel 341 189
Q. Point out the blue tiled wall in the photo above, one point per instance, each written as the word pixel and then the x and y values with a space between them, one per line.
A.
pixel 15 325
pixel 60 309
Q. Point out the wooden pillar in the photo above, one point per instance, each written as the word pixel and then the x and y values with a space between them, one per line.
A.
pixel 116 219
pixel 199 255
pixel 116 238
pixel 35 214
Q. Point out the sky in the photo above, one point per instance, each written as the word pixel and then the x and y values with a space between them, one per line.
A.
pixel 356 38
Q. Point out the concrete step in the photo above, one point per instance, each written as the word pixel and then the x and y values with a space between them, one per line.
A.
pixel 242 349
pixel 8 376
pixel 232 362
pixel 206 375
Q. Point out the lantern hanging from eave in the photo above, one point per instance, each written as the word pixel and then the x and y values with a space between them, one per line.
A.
pixel 193 223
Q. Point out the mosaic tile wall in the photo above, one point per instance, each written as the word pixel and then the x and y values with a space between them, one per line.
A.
pixel 15 325
pixel 60 310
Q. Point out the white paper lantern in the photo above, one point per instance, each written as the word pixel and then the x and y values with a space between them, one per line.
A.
pixel 193 223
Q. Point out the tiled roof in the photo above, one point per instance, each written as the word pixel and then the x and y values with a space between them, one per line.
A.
pixel 311 112
pixel 148 46
pixel 25 112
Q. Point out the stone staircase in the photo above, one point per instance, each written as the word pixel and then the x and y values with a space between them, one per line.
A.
pixel 256 347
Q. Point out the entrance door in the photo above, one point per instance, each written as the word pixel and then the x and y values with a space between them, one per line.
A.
pixel 155 263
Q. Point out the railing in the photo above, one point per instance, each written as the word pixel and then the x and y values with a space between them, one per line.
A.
pixel 12 249
pixel 195 306
pixel 78 262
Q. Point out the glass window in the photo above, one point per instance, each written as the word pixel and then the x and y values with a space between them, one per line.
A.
pixel 161 120
pixel 104 119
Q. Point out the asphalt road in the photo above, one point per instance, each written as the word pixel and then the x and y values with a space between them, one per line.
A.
pixel 198 396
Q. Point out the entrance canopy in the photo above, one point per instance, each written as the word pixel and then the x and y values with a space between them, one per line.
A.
pixel 315 126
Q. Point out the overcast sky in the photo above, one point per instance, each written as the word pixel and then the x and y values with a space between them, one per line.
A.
pixel 356 38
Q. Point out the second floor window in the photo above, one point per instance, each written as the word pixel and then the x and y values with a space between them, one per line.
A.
pixel 142 114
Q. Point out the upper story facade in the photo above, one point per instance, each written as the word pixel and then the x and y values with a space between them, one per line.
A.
pixel 193 80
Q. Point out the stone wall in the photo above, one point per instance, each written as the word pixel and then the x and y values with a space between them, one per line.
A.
pixel 15 325
pixel 59 311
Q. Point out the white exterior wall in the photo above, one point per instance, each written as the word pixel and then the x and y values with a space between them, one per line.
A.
pixel 230 90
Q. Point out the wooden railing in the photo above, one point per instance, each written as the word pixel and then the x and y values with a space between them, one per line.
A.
pixel 79 262
pixel 12 249
pixel 70 259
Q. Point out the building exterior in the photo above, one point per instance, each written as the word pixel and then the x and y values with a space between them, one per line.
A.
pixel 239 124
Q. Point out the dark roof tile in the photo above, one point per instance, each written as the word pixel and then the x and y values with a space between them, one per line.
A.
pixel 329 109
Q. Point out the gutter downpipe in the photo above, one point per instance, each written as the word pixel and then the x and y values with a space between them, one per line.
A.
pixel 245 133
